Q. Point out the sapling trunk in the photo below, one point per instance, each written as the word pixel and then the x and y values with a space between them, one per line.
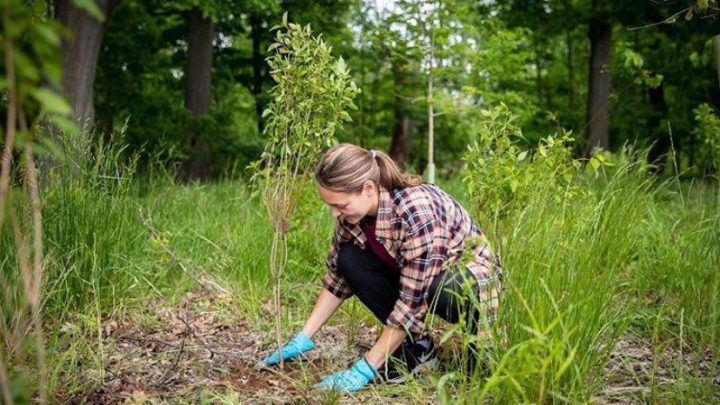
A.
pixel 278 259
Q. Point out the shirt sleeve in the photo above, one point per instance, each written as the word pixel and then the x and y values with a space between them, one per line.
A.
pixel 333 281
pixel 419 262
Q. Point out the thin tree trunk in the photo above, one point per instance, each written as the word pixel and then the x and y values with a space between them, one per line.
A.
pixel 600 34
pixel 716 43
pixel 257 62
pixel 571 71
pixel 431 131
pixel 400 145
pixel 658 152
pixel 197 93
pixel 538 71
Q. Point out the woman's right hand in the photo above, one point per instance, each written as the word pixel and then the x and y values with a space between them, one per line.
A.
pixel 299 344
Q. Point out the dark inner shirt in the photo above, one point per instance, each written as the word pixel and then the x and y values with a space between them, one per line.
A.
pixel 367 225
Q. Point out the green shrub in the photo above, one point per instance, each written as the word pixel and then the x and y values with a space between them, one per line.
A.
pixel 708 132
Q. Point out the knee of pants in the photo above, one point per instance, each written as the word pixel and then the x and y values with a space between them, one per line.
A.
pixel 451 296
pixel 348 258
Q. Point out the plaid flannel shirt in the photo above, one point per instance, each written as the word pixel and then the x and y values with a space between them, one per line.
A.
pixel 426 231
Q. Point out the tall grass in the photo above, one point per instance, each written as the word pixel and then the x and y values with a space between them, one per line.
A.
pixel 578 273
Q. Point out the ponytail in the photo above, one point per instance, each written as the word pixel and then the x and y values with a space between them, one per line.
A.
pixel 346 168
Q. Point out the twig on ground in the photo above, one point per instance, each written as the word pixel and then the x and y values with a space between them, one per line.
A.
pixel 165 376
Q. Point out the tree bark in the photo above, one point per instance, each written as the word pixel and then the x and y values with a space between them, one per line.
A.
pixel 571 71
pixel 657 154
pixel 257 62
pixel 80 56
pixel 197 94
pixel 716 44
pixel 600 35
pixel 400 145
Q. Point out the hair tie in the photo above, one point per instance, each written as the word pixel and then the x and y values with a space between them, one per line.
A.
pixel 373 153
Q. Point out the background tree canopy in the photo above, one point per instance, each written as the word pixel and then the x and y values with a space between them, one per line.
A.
pixel 188 81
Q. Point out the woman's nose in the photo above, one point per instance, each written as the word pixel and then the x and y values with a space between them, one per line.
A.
pixel 334 212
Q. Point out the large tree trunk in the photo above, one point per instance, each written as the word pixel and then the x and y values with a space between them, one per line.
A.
pixel 600 34
pixel 197 94
pixel 80 55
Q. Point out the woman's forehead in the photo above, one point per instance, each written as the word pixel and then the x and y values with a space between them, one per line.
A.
pixel 333 197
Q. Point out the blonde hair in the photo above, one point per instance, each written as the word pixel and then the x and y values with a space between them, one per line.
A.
pixel 345 168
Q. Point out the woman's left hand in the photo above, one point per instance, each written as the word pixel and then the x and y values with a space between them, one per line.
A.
pixel 350 380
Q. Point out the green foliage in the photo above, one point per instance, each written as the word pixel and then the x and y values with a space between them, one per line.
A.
pixel 35 43
pixel 502 177
pixel 708 132
pixel 310 100
pixel 634 62
pixel 628 254
pixel 91 7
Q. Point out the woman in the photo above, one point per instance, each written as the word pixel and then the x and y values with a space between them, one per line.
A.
pixel 397 246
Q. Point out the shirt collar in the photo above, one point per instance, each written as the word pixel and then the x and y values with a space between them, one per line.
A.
pixel 383 224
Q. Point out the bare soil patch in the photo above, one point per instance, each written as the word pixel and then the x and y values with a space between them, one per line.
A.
pixel 195 350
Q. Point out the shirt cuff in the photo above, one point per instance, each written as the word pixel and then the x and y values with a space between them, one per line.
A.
pixel 403 317
pixel 336 288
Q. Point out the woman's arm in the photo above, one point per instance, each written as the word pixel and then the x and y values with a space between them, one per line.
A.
pixel 326 305
pixel 389 340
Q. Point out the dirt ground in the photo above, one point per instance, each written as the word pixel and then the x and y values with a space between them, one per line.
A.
pixel 191 352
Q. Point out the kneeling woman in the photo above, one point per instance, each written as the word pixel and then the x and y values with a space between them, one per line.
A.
pixel 397 246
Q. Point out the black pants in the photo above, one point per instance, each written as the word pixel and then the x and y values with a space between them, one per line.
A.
pixel 377 286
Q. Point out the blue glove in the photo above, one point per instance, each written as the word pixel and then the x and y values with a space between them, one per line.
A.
pixel 299 344
pixel 349 380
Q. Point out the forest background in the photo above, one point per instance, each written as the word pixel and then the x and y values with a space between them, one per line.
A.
pixel 189 82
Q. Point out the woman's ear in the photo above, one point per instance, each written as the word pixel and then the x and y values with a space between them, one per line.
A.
pixel 369 186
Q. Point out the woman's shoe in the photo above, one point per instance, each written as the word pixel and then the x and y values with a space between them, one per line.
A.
pixel 408 360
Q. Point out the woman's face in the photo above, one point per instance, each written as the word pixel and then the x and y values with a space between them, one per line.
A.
pixel 351 207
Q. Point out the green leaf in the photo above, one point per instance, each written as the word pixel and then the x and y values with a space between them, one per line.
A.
pixel 91 7
pixel 566 364
pixel 49 147
pixel 47 33
pixel 65 124
pixel 522 155
pixel 340 66
pixel 51 101
pixel 272 46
